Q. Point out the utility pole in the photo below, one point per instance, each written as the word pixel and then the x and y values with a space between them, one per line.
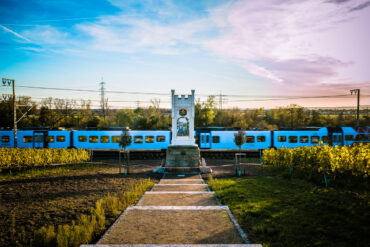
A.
pixel 102 97
pixel 357 91
pixel 221 100
pixel 8 82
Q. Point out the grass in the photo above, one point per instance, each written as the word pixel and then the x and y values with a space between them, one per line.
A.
pixel 277 211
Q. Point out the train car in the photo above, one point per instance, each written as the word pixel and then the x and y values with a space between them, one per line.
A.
pixel 306 137
pixel 107 139
pixel 43 139
pixel 7 138
pixel 220 140
pixel 356 135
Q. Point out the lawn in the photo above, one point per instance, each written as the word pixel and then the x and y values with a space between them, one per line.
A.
pixel 276 210
pixel 55 196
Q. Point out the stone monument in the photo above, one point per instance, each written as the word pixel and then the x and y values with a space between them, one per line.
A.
pixel 183 154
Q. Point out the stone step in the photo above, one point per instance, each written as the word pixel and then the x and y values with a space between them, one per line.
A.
pixel 181 181
pixel 172 245
pixel 173 225
pixel 182 170
pixel 182 176
pixel 180 187
pixel 178 199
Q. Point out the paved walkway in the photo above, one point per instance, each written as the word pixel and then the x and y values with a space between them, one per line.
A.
pixel 180 211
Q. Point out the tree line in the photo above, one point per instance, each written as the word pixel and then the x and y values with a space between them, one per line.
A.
pixel 56 112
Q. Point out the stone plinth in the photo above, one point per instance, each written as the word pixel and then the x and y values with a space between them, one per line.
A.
pixel 183 156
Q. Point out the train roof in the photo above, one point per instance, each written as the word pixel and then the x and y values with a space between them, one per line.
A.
pixel 301 128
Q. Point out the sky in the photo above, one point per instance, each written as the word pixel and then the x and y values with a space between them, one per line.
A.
pixel 254 53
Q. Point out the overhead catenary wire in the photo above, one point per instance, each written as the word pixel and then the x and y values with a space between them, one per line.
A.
pixel 264 97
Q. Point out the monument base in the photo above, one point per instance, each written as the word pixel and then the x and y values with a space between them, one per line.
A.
pixel 183 156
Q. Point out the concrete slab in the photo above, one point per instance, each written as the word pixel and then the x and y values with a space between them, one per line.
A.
pixel 198 187
pixel 178 200
pixel 182 176
pixel 173 245
pixel 181 181
pixel 173 227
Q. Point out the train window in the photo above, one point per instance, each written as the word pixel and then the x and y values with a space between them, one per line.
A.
pixel 215 139
pixel 281 138
pixel 49 139
pixel 104 139
pixel 161 139
pixel 138 139
pixel 361 137
pixel 61 138
pixel 339 138
pixel 348 137
pixel 27 139
pixel 325 139
pixel 149 139
pixel 303 139
pixel 207 138
pixel 5 139
pixel 116 139
pixel 249 139
pixel 293 139
pixel 261 138
pixel 202 139
pixel 93 139
pixel 315 139
pixel 82 138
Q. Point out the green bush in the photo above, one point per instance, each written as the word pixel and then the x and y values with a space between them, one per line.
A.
pixel 30 157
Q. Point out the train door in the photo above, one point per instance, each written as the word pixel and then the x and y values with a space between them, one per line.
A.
pixel 205 140
pixel 38 139
pixel 336 139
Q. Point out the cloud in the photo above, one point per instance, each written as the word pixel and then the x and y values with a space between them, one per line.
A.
pixel 279 40
pixel 129 34
pixel 361 6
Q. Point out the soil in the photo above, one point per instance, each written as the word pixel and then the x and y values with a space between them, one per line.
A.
pixel 28 204
pixel 174 227
pixel 178 200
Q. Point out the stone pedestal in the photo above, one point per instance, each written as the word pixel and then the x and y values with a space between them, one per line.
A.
pixel 183 156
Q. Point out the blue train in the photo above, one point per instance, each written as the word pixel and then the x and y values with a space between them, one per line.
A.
pixel 211 138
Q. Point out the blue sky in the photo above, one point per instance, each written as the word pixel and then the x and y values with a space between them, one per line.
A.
pixel 252 48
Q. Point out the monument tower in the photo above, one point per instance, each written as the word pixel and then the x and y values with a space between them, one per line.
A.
pixel 183 152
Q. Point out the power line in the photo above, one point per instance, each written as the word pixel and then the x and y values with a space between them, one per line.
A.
pixel 269 97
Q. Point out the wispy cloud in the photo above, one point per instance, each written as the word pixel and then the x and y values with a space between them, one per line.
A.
pixel 129 34
pixel 279 40
pixel 15 34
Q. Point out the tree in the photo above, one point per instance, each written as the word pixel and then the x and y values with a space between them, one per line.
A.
pixel 124 141
pixel 239 138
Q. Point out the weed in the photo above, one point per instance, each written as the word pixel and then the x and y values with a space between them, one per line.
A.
pixel 88 226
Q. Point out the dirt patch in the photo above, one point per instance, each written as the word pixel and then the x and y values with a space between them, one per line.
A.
pixel 173 227
pixel 180 188
pixel 56 199
pixel 178 200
